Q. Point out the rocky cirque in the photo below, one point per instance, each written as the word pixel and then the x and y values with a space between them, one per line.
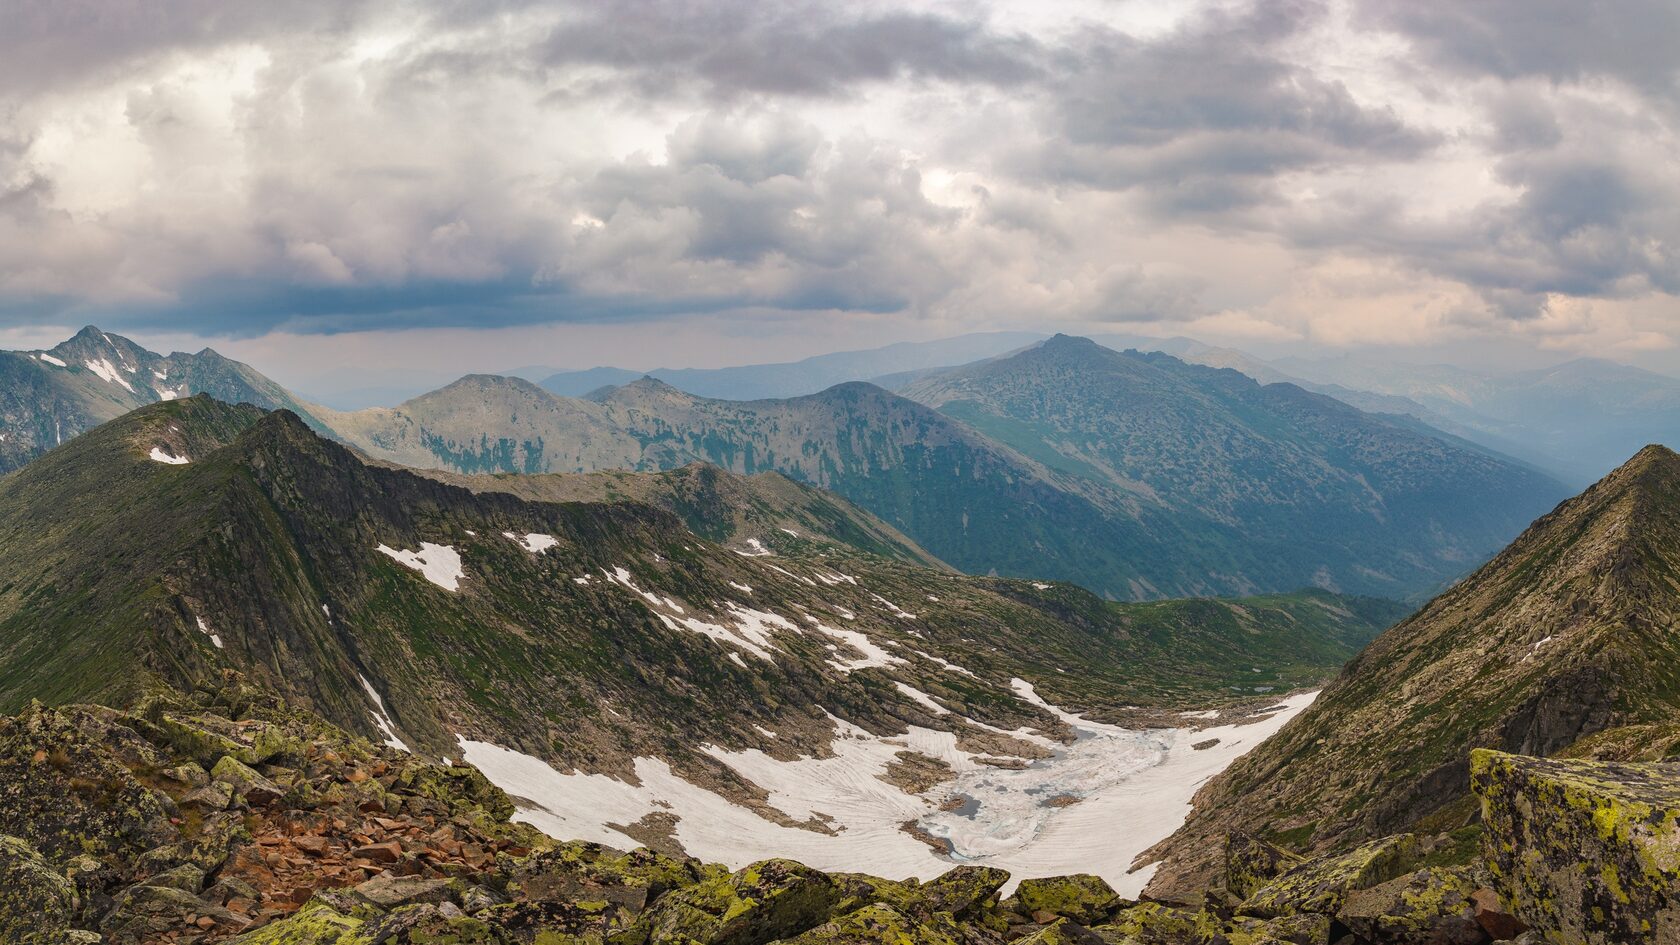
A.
pixel 223 815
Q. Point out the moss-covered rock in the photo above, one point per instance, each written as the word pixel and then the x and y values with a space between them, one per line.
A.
pixel 315 924
pixel 961 891
pixel 1251 863
pixel 36 903
pixel 1081 897
pixel 1584 851
pixel 1322 885
pixel 584 871
pixel 1431 906
pixel 1062 932
pixel 769 900
pixel 877 924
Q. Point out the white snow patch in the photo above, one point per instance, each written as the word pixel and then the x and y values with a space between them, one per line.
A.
pixel 755 549
pixel 440 564
pixel 897 610
pixel 736 658
pixel 791 532
pixel 743 588
pixel 1204 714
pixel 50 359
pixel 1040 586
pixel 204 628
pixel 324 610
pixel 922 699
pixel 159 455
pixel 751 630
pixel 869 654
pixel 1134 789
pixel 534 542
pixel 766 732
pixel 944 664
pixel 161 375
pixel 103 368
pixel 381 718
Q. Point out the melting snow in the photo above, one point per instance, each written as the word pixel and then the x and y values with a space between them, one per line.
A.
pixel 160 456
pixel 921 698
pixel 755 549
pixel 743 588
pixel 51 360
pixel 897 610
pixel 439 563
pixel 534 543
pixel 381 718
pixel 791 532
pixel 103 368
pixel 205 629
pixel 1132 789
pixel 947 666
pixel 753 630
pixel 870 653
pixel 1040 585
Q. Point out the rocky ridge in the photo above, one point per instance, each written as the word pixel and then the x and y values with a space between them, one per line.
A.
pixel 223 815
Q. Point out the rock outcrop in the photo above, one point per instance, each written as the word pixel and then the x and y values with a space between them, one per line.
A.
pixel 1588 851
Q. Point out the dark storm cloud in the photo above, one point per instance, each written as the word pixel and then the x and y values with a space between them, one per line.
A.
pixel 1560 40
pixel 794 47
pixel 1206 117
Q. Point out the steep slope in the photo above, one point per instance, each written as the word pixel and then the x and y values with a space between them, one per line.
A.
pixel 1566 635
pixel 1338 497
pixel 48 397
pixel 767 509
pixel 672 678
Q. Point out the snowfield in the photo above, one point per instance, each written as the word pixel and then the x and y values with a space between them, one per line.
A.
pixel 440 564
pixel 1092 807
pixel 159 456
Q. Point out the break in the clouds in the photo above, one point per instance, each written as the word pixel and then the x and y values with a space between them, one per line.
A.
pixel 1340 172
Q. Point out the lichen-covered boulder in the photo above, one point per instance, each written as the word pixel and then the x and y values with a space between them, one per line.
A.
pixel 1082 897
pixel 769 900
pixel 1433 906
pixel 877 924
pixel 586 871
pixel 1583 851
pixel 1062 932
pixel 1251 863
pixel 1307 928
pixel 961 891
pixel 1155 923
pixel 1321 885
pixel 246 782
pixel 66 795
pixel 315 924
pixel 144 912
pixel 36 903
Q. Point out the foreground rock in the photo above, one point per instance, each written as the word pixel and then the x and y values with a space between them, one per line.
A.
pixel 1588 851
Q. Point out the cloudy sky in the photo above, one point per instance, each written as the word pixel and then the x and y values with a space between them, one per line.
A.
pixel 477 184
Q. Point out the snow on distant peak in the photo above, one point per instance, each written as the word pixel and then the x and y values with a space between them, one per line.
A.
pixel 158 455
pixel 204 628
pixel 382 718
pixel 51 360
pixel 103 368
pixel 440 564
pixel 534 542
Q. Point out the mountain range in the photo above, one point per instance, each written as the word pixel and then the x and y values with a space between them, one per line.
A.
pixel 1136 476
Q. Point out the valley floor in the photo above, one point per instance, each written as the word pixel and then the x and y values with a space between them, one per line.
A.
pixel 1092 806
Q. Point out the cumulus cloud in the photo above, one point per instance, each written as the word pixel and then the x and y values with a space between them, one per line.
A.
pixel 238 168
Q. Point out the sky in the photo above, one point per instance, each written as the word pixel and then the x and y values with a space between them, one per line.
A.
pixel 324 186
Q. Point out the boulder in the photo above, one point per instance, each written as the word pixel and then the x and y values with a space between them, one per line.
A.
pixel 769 900
pixel 1434 906
pixel 1156 923
pixel 1251 863
pixel 246 782
pixel 315 924
pixel 36 903
pixel 1082 897
pixel 142 912
pixel 1584 851
pixel 582 871
pixel 1321 885
pixel 961 891
pixel 1062 932
pixel 877 924
pixel 387 891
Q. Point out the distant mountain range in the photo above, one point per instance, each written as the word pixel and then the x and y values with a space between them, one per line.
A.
pixel 796 378
pixel 1136 476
